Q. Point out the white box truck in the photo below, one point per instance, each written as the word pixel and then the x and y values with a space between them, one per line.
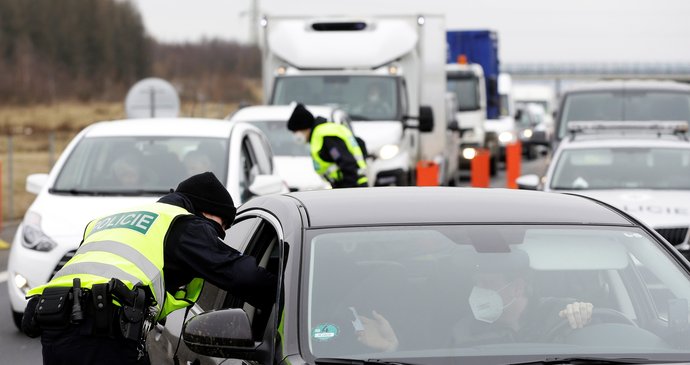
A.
pixel 387 72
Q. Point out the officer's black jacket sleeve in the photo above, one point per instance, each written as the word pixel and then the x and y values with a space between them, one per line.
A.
pixel 335 150
pixel 193 249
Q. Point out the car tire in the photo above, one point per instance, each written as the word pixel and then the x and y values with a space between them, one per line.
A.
pixel 17 318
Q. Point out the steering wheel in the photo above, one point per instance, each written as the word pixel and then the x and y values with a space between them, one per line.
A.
pixel 600 315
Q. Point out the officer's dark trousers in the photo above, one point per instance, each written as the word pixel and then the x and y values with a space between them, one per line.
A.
pixel 71 347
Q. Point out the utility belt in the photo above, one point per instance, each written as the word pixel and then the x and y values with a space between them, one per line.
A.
pixel 93 310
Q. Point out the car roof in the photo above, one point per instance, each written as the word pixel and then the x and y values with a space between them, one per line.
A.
pixel 443 205
pixel 187 127
pixel 629 85
pixel 260 113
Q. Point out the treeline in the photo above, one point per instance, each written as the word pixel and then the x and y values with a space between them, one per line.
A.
pixel 209 70
pixel 54 50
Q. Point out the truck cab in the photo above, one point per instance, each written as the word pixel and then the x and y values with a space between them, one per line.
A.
pixel 466 82
pixel 385 72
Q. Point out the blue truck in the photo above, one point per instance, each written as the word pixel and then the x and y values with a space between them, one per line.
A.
pixel 480 47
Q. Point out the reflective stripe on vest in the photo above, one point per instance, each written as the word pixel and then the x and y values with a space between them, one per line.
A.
pixel 128 246
pixel 330 170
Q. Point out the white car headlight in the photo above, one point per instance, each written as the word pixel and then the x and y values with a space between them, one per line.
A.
pixel 469 153
pixel 388 151
pixel 33 236
pixel 506 137
pixel 527 133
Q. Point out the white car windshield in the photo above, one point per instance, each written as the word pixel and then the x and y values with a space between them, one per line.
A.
pixel 139 165
pixel 622 168
pixel 631 105
pixel 362 97
pixel 281 140
pixel 492 290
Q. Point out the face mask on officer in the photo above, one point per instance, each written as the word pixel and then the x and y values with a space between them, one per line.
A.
pixel 300 137
pixel 487 304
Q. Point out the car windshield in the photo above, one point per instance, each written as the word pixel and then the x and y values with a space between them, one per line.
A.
pixel 624 106
pixel 363 97
pixel 466 91
pixel 622 168
pixel 415 294
pixel 282 142
pixel 139 165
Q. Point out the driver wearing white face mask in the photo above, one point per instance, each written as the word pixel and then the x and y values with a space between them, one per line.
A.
pixel 504 311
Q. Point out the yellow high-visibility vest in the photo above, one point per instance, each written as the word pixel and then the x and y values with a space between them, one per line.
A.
pixel 330 171
pixel 128 246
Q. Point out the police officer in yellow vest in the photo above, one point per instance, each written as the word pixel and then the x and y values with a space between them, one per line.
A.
pixel 134 267
pixel 336 153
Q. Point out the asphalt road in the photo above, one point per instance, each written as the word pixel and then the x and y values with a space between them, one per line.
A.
pixel 15 348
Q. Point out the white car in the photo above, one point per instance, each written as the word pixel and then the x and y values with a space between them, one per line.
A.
pixel 293 162
pixel 112 165
pixel 641 168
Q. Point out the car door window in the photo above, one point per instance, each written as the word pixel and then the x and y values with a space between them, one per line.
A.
pixel 256 237
pixel 237 236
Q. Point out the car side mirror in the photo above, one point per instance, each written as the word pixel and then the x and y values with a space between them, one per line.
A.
pixel 36 182
pixel 223 333
pixel 266 184
pixel 528 182
pixel 426 119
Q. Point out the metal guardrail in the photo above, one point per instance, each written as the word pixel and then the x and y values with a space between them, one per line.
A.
pixel 639 70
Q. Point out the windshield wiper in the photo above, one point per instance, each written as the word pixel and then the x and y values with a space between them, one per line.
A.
pixel 341 361
pixel 73 191
pixel 133 192
pixel 591 361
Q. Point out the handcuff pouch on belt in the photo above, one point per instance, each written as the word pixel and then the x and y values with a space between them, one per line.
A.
pixel 54 308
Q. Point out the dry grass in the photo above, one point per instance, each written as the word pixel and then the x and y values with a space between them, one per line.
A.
pixel 31 126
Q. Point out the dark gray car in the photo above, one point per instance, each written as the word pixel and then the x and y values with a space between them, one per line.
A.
pixel 440 276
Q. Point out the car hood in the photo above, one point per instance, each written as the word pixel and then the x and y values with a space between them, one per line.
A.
pixel 298 172
pixel 656 208
pixel 377 134
pixel 64 217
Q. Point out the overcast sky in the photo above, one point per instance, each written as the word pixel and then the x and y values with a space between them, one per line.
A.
pixel 529 30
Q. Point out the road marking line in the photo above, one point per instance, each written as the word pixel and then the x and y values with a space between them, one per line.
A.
pixel 4 276
pixel 4 245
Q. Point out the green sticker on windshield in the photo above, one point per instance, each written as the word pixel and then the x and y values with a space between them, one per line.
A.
pixel 325 332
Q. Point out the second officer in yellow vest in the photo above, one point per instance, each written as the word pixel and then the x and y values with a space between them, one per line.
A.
pixel 135 267
pixel 337 155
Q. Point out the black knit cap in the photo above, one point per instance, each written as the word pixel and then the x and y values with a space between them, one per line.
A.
pixel 300 119
pixel 208 195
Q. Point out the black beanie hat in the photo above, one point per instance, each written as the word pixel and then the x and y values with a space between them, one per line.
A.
pixel 300 119
pixel 208 194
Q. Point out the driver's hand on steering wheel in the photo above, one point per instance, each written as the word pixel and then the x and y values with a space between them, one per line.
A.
pixel 377 333
pixel 578 314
